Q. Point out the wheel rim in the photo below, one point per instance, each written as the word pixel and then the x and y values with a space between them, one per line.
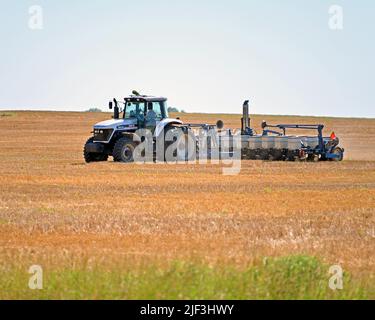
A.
pixel 127 153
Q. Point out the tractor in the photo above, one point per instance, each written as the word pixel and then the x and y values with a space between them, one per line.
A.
pixel 117 137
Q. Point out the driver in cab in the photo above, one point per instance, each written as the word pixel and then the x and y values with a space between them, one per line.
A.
pixel 150 118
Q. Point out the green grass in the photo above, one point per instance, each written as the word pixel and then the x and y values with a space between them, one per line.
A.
pixel 295 277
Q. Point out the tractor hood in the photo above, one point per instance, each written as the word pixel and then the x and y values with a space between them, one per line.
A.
pixel 115 123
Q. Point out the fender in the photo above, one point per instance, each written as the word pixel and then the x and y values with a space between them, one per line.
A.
pixel 163 123
pixel 131 136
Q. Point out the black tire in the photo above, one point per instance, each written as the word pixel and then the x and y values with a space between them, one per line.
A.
pixel 338 151
pixel 123 150
pixel 313 158
pixel 93 157
pixel 183 154
pixel 168 143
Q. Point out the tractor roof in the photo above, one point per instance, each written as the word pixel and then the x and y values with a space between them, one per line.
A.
pixel 145 98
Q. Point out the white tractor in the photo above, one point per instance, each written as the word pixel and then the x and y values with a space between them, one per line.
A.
pixel 116 137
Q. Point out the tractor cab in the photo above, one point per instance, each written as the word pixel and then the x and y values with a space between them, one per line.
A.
pixel 140 111
pixel 145 111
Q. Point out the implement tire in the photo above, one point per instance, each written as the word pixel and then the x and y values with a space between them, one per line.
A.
pixel 338 151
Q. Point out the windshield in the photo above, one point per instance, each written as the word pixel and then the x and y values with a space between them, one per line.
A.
pixel 135 110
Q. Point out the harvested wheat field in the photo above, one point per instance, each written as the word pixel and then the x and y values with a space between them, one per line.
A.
pixel 128 231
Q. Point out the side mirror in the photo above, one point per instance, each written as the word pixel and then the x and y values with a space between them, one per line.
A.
pixel 220 124
pixel 110 105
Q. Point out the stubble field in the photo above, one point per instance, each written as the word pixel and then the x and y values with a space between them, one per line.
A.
pixel 110 230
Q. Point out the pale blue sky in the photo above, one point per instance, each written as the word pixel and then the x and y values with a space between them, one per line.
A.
pixel 205 56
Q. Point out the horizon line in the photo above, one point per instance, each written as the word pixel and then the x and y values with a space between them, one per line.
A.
pixel 186 112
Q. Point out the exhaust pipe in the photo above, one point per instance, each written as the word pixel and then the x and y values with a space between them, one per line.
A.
pixel 245 120
pixel 116 110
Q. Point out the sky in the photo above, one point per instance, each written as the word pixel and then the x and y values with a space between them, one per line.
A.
pixel 205 56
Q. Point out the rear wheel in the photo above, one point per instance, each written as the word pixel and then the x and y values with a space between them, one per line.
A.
pixel 186 146
pixel 123 150
pixel 93 157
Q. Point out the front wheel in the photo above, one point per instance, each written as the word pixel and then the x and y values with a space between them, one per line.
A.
pixel 93 157
pixel 123 150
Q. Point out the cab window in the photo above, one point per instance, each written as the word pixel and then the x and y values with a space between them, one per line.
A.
pixel 134 110
pixel 156 108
